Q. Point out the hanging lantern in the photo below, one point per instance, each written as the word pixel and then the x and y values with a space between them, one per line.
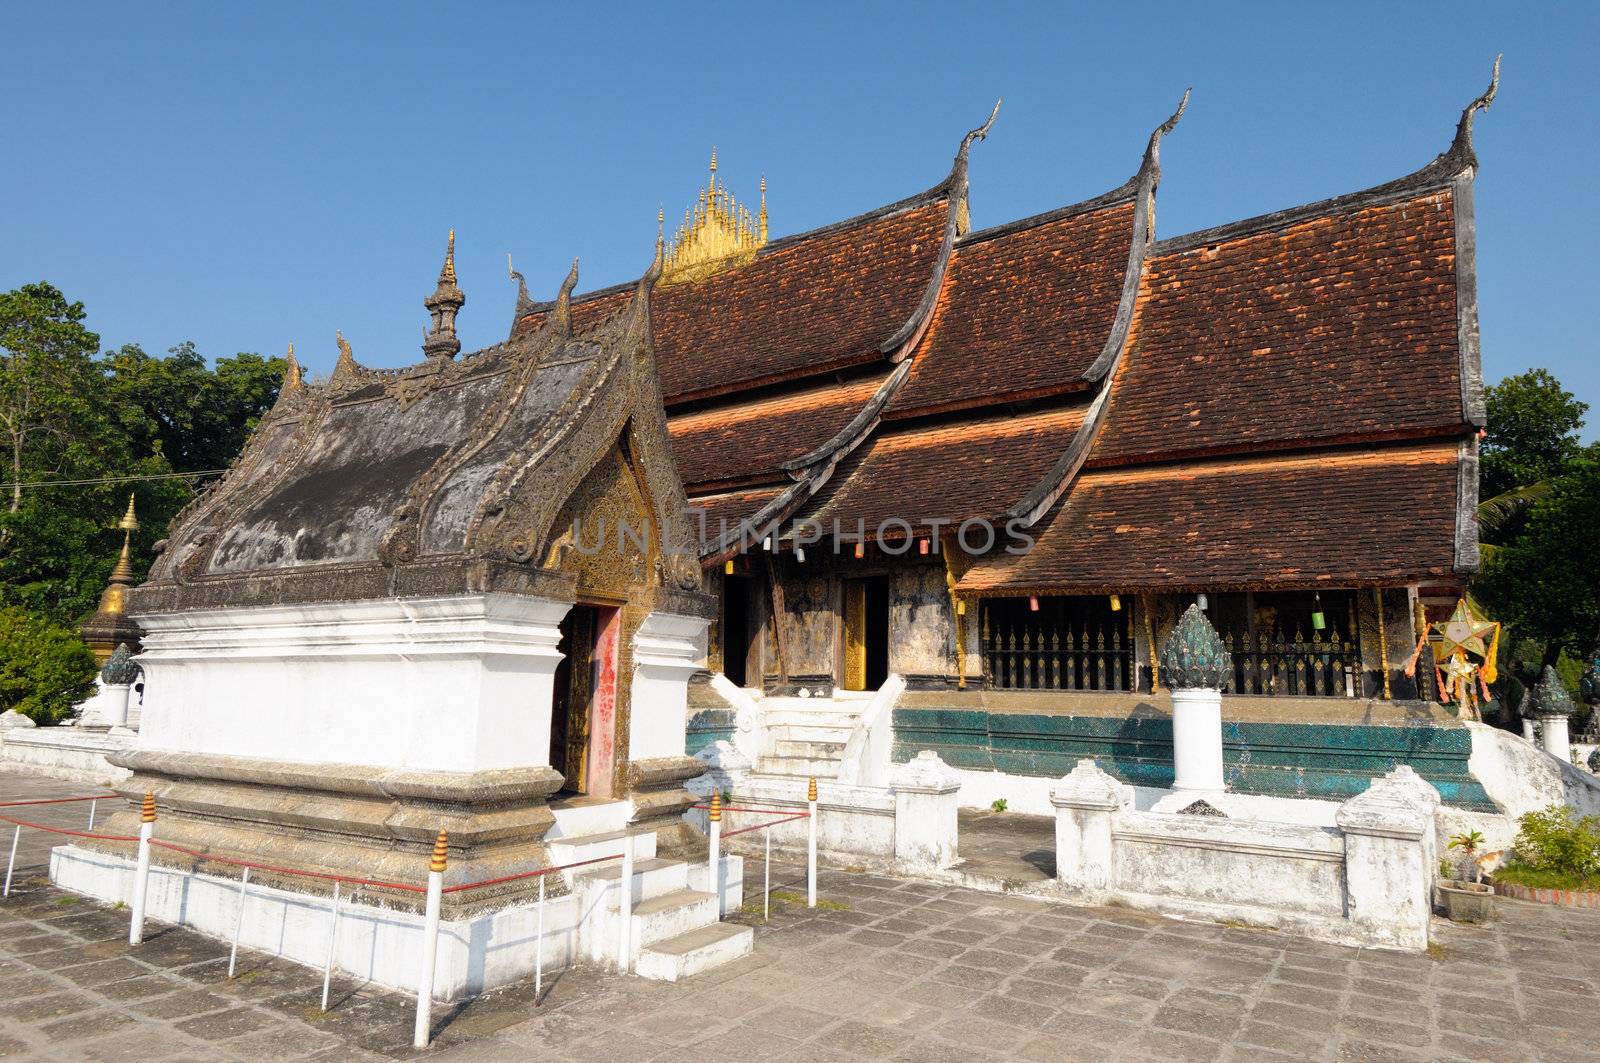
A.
pixel 961 607
pixel 922 546
pixel 1116 603
pixel 728 566
pixel 1033 604
pixel 861 550
pixel 1202 601
pixel 766 544
pixel 799 553
pixel 1319 622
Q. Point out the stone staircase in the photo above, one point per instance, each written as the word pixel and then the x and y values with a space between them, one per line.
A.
pixel 677 927
pixel 806 736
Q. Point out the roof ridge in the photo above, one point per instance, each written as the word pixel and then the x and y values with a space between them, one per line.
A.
pixel 1458 160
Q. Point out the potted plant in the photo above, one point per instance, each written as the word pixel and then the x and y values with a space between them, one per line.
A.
pixel 1464 898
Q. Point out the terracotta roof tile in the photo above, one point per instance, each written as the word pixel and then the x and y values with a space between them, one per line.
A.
pixel 952 472
pixel 1356 517
pixel 753 439
pixel 1025 312
pixel 1337 327
pixel 728 509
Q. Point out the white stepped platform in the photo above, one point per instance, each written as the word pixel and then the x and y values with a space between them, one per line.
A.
pixel 596 846
pixel 798 767
pixel 798 747
pixel 698 950
pixel 651 878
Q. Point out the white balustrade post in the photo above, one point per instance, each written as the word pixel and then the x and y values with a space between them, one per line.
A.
pixel 238 921
pixel 333 941
pixel 1195 666
pixel 1552 705
pixel 625 908
pixel 141 871
pixel 538 952
pixel 16 836
pixel 1087 803
pixel 926 790
pixel 430 941
pixel 715 866
pixel 811 842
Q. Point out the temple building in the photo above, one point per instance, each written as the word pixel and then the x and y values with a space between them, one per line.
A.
pixel 835 498
pixel 1004 460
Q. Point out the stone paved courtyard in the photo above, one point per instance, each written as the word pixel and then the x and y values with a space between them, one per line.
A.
pixel 885 969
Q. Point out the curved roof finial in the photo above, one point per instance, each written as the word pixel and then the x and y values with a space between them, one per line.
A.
pixel 292 376
pixel 1152 152
pixel 563 311
pixel 346 365
pixel 980 133
pixel 523 298
pixel 1461 147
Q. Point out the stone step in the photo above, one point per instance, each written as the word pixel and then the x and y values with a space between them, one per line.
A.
pixel 800 767
pixel 594 846
pixel 790 747
pixel 669 915
pixel 811 718
pixel 798 732
pixel 651 878
pixel 695 951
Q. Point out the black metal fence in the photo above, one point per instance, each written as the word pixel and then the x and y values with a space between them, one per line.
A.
pixel 1064 644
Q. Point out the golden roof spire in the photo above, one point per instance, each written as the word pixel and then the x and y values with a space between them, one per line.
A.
pixel 122 573
pixel 291 371
pixel 717 233
pixel 447 272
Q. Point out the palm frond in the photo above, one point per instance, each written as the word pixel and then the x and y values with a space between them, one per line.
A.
pixel 1494 512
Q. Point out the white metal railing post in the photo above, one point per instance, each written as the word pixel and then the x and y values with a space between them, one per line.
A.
pixel 766 886
pixel 333 941
pixel 141 872
pixel 16 836
pixel 538 952
pixel 91 814
pixel 811 843
pixel 430 942
pixel 714 868
pixel 238 921
pixel 625 908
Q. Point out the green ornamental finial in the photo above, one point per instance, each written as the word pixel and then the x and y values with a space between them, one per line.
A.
pixel 1550 697
pixel 119 669
pixel 1193 657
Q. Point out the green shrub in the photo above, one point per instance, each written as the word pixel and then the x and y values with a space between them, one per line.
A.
pixel 1559 841
pixel 44 667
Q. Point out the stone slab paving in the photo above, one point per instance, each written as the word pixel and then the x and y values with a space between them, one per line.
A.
pixel 884 969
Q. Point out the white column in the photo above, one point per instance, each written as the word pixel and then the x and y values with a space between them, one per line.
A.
pixel 667 650
pixel 1087 802
pixel 1197 740
pixel 1557 741
pixel 726 770
pixel 925 792
pixel 1390 859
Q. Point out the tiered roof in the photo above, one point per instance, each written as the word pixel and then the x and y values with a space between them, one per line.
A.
pixel 1284 401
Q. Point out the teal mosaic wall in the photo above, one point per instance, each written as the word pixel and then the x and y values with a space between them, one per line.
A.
pixel 708 726
pixel 1326 761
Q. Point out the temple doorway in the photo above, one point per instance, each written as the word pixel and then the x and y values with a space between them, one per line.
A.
pixel 583 708
pixel 866 633
pixel 740 662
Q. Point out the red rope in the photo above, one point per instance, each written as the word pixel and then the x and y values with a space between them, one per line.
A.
pixel 287 870
pixel 73 833
pixel 764 826
pixel 57 801
pixel 758 811
pixel 528 874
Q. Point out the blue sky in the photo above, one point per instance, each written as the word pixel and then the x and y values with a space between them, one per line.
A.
pixel 246 176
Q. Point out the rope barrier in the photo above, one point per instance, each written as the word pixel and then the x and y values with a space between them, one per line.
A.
pixel 323 875
pixel 73 833
pixel 57 801
pixel 764 826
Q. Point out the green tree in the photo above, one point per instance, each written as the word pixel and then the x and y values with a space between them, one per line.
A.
pixel 1546 582
pixel 197 416
pixel 44 666
pixel 48 379
pixel 1531 433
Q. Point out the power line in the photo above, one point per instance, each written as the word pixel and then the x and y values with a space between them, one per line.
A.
pixel 116 479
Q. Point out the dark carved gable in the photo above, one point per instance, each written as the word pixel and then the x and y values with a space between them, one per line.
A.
pixel 451 476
